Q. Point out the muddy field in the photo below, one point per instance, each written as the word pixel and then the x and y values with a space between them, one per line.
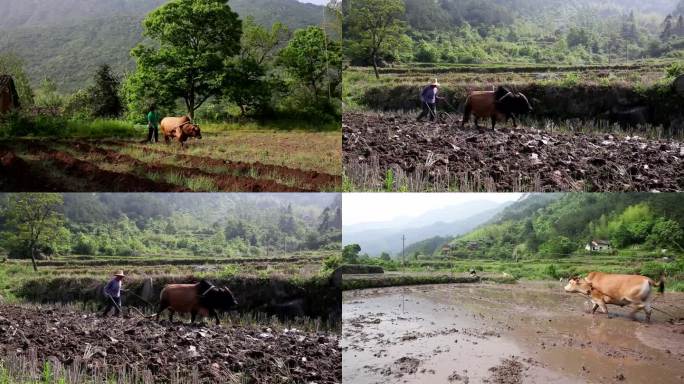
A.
pixel 442 156
pixel 129 166
pixel 523 333
pixel 169 352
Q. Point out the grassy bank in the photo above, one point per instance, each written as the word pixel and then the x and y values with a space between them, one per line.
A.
pixel 430 271
pixel 275 286
pixel 20 125
pixel 350 282
pixel 557 93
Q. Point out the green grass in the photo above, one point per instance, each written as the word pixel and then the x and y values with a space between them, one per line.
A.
pixel 272 125
pixel 47 126
pixel 543 269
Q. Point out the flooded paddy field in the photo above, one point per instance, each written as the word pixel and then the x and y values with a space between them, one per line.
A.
pixel 493 333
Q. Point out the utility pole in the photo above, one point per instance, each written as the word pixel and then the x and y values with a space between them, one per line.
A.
pixel 403 242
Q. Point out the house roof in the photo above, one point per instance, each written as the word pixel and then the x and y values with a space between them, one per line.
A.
pixel 601 242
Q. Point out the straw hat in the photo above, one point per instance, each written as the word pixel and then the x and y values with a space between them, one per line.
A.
pixel 436 83
pixel 120 274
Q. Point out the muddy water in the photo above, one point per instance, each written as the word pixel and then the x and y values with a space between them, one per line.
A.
pixel 523 333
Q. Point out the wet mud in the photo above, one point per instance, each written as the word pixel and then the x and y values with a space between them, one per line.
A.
pixel 168 351
pixel 523 333
pixel 444 156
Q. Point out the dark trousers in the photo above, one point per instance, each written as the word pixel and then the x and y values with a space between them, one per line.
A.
pixel 152 130
pixel 429 109
pixel 112 302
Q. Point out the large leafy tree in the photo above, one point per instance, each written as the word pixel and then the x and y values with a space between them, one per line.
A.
pixel 34 221
pixel 195 39
pixel 375 27
pixel 312 59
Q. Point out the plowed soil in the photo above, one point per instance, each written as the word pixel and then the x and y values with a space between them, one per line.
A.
pixel 216 354
pixel 311 179
pixel 18 174
pixel 441 156
pixel 223 182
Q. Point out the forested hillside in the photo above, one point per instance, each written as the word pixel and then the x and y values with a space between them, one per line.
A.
pixel 524 31
pixel 211 225
pixel 66 40
pixel 557 227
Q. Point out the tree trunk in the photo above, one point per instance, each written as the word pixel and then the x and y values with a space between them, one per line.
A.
pixel 375 66
pixel 33 257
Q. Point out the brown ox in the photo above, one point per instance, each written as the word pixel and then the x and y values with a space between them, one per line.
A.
pixel 202 298
pixel 481 104
pixel 501 104
pixel 606 288
pixel 179 128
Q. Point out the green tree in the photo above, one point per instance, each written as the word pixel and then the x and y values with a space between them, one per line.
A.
pixel 668 29
pixel 195 40
pixel 34 220
pixel 385 256
pixel 260 44
pixel 47 95
pixel 312 59
pixel 666 233
pixel 12 65
pixel 350 254
pixel 104 95
pixel 556 247
pixel 247 86
pixel 376 26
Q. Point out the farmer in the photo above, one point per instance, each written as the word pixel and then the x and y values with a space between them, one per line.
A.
pixel 428 100
pixel 112 292
pixel 153 119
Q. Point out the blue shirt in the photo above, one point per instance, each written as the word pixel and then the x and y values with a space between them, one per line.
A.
pixel 429 94
pixel 113 288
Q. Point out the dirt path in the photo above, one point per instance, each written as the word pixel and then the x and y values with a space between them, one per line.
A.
pixel 218 354
pixel 442 156
pixel 523 333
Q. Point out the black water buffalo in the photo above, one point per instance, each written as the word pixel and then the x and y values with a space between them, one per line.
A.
pixel 203 298
pixel 628 117
pixel 512 104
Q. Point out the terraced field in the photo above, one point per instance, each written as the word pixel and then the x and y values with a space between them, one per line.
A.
pixel 242 162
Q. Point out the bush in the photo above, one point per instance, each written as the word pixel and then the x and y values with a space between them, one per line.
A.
pixel 551 271
pixel 85 245
pixel 332 262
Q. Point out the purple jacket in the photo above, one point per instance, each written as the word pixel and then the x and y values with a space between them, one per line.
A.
pixel 429 94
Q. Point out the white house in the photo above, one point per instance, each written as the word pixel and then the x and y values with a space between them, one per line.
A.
pixel 598 246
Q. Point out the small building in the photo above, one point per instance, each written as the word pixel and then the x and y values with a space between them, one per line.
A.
pixel 473 245
pixel 9 98
pixel 598 246
pixel 446 249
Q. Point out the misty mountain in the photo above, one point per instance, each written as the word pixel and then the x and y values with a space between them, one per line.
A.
pixel 378 237
pixel 66 40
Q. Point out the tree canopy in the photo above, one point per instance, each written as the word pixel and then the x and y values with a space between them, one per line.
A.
pixel 195 38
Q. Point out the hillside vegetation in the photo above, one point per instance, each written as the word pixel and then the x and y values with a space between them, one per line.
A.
pixel 519 31
pixel 562 227
pixel 182 225
pixel 66 40
pixel 544 236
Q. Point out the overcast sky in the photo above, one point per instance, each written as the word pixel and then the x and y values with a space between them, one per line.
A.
pixel 318 2
pixel 370 207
